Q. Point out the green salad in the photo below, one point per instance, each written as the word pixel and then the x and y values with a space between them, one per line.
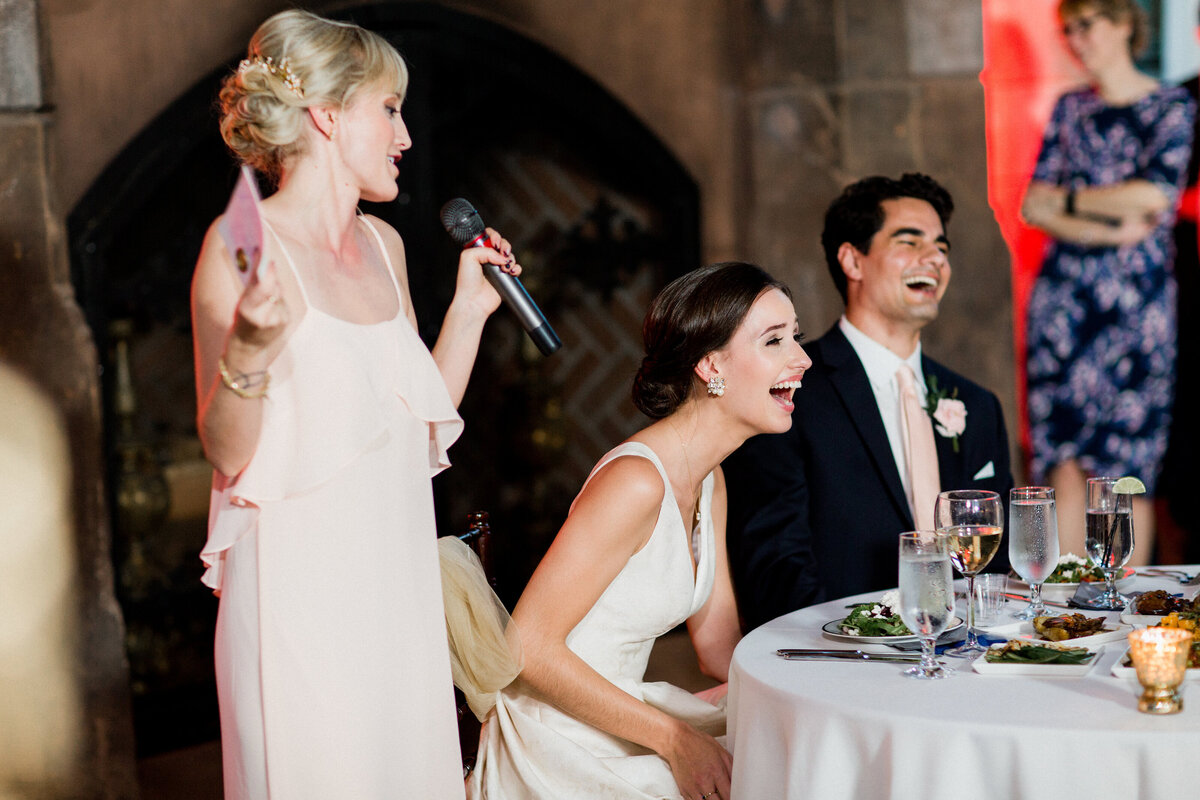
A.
pixel 1073 569
pixel 876 619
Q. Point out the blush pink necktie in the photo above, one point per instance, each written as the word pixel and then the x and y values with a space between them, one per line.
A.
pixel 919 451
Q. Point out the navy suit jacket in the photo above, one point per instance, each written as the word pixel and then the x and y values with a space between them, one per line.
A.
pixel 814 512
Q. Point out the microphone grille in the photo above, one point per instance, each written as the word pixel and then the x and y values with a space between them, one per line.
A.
pixel 461 221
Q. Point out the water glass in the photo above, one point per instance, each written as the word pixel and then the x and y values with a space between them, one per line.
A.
pixel 926 596
pixel 990 598
pixel 1032 541
pixel 1109 538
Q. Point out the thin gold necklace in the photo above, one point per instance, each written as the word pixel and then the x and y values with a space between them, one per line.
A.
pixel 687 462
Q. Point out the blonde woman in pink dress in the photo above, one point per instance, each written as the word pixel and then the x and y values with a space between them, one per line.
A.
pixel 325 418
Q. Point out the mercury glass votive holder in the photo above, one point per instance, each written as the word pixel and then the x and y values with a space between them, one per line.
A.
pixel 1159 656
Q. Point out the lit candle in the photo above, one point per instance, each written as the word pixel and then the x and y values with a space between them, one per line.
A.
pixel 1160 658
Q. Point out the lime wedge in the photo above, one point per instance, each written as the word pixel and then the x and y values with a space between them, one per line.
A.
pixel 1129 486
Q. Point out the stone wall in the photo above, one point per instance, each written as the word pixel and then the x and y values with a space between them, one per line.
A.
pixel 839 90
pixel 44 337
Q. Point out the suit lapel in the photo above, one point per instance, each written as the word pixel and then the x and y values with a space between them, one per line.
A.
pixel 950 463
pixel 849 381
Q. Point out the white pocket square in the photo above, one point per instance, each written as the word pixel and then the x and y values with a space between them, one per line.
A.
pixel 988 471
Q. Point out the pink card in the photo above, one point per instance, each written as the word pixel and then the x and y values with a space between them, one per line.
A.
pixel 241 227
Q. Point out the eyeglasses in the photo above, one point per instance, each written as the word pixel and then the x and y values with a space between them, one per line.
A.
pixel 1080 26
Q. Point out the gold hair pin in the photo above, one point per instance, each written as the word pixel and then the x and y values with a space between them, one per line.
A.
pixel 282 71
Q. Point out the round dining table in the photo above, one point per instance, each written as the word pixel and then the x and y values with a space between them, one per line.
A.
pixel 824 730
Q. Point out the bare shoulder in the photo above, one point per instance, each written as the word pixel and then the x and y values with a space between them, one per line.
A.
pixel 393 244
pixel 391 238
pixel 214 282
pixel 628 491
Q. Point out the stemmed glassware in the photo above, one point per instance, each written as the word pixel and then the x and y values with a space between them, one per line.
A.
pixel 972 522
pixel 1109 538
pixel 1032 541
pixel 926 596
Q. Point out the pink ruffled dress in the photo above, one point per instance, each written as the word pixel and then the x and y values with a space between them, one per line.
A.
pixel 333 673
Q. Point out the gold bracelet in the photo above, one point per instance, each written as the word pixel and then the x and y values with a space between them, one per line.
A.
pixel 244 384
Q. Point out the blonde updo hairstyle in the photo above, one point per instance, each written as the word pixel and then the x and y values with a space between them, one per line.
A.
pixel 328 62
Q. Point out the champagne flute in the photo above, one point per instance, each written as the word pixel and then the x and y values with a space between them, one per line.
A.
pixel 926 596
pixel 1109 538
pixel 972 522
pixel 1032 541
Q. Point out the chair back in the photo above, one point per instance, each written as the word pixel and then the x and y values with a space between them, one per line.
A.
pixel 478 536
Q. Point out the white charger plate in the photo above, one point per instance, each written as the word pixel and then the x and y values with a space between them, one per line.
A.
pixel 833 630
pixel 1024 630
pixel 1121 670
pixel 984 667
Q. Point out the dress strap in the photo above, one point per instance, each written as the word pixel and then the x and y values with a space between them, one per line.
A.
pixel 291 263
pixel 386 258
pixel 630 449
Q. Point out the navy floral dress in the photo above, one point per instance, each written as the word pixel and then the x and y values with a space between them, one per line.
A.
pixel 1101 325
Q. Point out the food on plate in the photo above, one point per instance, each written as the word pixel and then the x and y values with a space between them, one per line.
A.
pixel 1073 569
pixel 1067 626
pixel 1159 603
pixel 880 618
pixel 1019 651
pixel 1188 620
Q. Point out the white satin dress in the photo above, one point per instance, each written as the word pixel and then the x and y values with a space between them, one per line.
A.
pixel 333 673
pixel 533 751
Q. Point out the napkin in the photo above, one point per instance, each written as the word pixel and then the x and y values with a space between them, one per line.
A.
pixel 1086 592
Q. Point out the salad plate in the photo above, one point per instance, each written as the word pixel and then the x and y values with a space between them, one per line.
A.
pixel 1061 592
pixel 1122 668
pixel 985 667
pixel 1024 630
pixel 833 630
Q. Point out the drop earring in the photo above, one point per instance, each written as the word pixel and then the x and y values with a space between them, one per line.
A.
pixel 716 386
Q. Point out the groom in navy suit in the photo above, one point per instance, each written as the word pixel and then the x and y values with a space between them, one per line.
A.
pixel 814 513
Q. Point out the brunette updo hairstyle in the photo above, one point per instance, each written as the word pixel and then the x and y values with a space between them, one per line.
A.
pixel 262 116
pixel 693 316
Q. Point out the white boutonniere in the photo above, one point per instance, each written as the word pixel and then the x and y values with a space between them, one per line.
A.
pixel 949 414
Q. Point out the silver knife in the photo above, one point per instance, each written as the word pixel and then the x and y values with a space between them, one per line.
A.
pixel 847 655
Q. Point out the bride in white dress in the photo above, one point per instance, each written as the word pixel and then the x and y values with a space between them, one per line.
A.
pixel 722 362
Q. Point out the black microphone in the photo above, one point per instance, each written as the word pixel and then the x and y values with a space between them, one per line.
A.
pixel 465 226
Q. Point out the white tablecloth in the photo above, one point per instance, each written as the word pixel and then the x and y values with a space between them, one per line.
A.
pixel 822 730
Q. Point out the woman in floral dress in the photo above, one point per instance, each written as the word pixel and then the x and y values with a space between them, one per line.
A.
pixel 1101 325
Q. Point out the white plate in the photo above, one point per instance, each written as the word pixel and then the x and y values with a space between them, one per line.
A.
pixel 1122 671
pixel 1061 592
pixel 832 630
pixel 1024 630
pixel 1140 620
pixel 983 667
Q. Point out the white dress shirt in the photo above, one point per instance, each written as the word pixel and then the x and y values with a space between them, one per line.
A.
pixel 881 365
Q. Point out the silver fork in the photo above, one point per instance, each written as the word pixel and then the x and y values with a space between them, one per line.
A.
pixel 1183 577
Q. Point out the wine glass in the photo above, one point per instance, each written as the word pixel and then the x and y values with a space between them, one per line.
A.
pixel 1109 538
pixel 926 596
pixel 972 522
pixel 1032 541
